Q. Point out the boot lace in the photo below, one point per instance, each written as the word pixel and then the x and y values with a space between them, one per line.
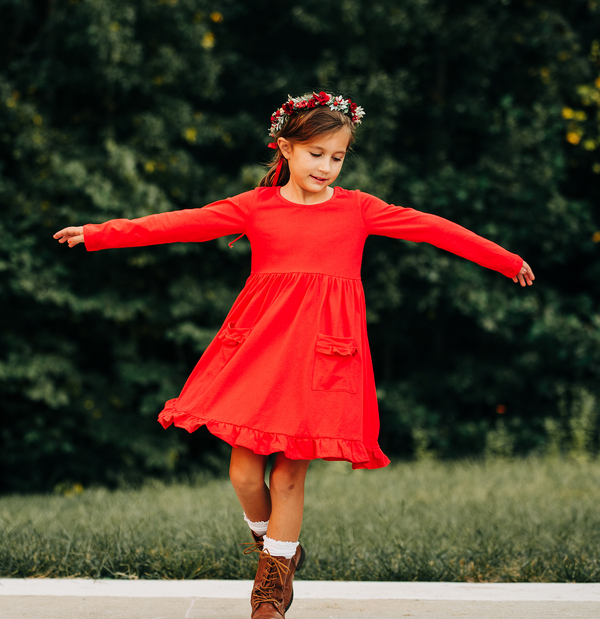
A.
pixel 252 547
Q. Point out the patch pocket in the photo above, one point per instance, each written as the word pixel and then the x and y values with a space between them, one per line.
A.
pixel 232 338
pixel 336 364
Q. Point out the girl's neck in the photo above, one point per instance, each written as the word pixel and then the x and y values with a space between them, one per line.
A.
pixel 294 193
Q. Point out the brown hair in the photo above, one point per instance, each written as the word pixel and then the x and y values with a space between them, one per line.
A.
pixel 304 127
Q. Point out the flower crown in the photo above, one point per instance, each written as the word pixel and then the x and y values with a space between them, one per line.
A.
pixel 305 102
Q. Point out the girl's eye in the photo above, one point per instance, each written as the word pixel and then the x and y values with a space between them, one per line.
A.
pixel 320 154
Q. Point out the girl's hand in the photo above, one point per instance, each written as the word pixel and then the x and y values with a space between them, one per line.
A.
pixel 72 235
pixel 524 275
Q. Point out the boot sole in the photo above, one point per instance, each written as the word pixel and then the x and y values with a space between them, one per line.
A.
pixel 298 568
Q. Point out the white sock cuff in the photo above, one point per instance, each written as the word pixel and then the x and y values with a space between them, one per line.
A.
pixel 280 549
pixel 260 527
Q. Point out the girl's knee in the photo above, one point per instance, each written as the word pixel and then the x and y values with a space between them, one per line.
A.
pixel 286 474
pixel 247 469
pixel 245 479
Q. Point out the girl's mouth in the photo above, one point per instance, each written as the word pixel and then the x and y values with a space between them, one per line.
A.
pixel 318 179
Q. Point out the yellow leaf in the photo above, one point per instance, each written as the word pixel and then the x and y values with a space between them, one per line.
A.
pixel 208 40
pixel 573 138
pixel 216 17
pixel 190 134
pixel 567 112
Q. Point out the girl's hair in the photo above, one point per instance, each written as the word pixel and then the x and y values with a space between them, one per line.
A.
pixel 304 127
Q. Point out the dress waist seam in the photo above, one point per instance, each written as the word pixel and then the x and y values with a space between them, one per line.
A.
pixel 357 279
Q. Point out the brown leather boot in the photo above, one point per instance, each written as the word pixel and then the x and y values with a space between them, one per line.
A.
pixel 273 592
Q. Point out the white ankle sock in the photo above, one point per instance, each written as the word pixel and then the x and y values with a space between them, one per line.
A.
pixel 280 549
pixel 260 527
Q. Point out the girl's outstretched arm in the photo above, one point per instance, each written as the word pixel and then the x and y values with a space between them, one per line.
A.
pixel 409 224
pixel 220 218
pixel 72 235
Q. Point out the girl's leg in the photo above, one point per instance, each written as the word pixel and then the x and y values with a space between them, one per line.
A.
pixel 287 498
pixel 247 473
pixel 281 556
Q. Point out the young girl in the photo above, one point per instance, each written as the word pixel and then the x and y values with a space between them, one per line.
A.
pixel 290 372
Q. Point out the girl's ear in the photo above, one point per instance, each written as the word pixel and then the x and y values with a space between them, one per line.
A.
pixel 285 147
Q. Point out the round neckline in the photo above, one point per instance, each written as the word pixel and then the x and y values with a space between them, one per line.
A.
pixel 307 205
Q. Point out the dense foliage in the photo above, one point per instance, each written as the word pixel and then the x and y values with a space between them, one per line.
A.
pixel 481 111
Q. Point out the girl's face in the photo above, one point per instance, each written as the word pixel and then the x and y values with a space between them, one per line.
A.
pixel 315 165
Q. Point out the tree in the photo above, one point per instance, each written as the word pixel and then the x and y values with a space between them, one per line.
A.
pixel 123 108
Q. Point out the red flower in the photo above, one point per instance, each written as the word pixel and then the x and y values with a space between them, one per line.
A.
pixel 288 108
pixel 322 97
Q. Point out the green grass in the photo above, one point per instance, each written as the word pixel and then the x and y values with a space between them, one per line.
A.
pixel 499 520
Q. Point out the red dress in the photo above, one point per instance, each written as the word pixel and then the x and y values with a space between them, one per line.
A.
pixel 290 370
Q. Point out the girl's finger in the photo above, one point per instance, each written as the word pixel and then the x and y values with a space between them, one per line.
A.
pixel 530 276
pixel 74 240
pixel 70 231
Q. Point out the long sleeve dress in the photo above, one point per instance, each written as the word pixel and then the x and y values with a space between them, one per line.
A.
pixel 290 370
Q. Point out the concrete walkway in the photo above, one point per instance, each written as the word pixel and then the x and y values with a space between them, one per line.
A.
pixel 212 599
